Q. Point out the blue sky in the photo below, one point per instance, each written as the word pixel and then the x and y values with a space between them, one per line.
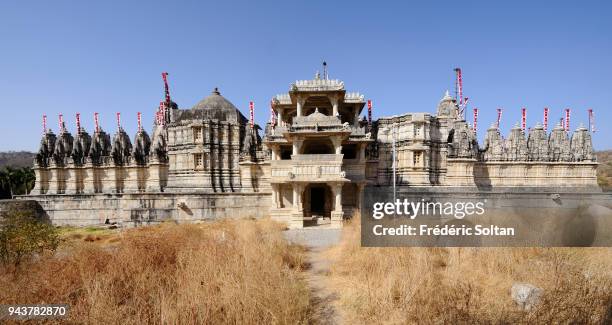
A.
pixel 80 56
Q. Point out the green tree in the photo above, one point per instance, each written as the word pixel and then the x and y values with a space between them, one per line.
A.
pixel 29 179
pixel 10 176
pixel 22 236
pixel 5 182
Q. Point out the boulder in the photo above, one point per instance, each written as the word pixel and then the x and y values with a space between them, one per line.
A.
pixel 525 295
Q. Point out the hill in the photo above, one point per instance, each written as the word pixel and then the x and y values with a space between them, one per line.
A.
pixel 16 159
pixel 604 171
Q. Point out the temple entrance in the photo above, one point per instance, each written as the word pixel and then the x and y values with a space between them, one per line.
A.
pixel 317 204
pixel 317 200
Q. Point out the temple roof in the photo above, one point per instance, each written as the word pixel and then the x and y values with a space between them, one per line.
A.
pixel 214 106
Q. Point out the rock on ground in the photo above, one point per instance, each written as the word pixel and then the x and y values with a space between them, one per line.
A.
pixel 526 295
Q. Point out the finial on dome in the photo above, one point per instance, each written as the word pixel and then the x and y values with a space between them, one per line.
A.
pixel 447 96
pixel 216 91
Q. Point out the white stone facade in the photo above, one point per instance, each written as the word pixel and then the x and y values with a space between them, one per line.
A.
pixel 311 166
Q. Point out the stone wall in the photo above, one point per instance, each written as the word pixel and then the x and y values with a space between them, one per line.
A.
pixel 28 206
pixel 147 208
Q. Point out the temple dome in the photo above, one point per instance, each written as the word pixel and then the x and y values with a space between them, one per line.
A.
pixel 214 106
pixel 214 101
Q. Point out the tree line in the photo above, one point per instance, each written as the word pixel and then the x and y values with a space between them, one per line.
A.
pixel 16 181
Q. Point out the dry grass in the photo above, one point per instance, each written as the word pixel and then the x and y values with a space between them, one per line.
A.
pixel 469 285
pixel 224 272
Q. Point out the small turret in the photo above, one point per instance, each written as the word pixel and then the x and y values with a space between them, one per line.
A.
pixel 462 141
pixel 100 147
pixel 121 148
pixel 494 149
pixel 447 107
pixel 537 144
pixel 80 146
pixel 559 144
pixel 46 149
pixel 63 146
pixel 516 145
pixel 142 146
pixel 581 145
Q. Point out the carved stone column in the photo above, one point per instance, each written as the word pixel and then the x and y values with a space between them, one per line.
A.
pixel 297 145
pixel 334 101
pixel 337 142
pixel 337 214
pixel 300 105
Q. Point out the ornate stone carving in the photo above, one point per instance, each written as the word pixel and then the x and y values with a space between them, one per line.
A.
pixel 142 146
pixel 559 145
pixel 516 145
pixel 462 142
pixel 100 147
pixel 494 148
pixel 581 145
pixel 159 150
pixel 46 149
pixel 63 147
pixel 537 144
pixel 447 107
pixel 80 147
pixel 121 148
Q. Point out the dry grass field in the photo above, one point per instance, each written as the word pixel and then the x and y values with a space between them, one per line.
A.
pixel 235 272
pixel 469 285
pixel 245 272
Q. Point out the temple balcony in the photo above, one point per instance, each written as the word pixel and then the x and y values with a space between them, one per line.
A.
pixel 317 168
pixel 309 168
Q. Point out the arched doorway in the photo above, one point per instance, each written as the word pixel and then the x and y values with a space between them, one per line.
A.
pixel 317 204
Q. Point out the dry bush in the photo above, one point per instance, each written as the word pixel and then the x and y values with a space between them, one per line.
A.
pixel 222 272
pixel 470 285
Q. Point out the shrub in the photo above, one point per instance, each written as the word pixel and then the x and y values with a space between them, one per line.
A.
pixel 22 236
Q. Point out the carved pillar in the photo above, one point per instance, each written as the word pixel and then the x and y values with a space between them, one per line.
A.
pixel 297 200
pixel 337 188
pixel 356 119
pixel 337 214
pixel 361 152
pixel 297 145
pixel 337 142
pixel 334 101
pixel 300 105
pixel 280 116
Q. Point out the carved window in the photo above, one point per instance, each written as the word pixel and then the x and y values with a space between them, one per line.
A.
pixel 417 130
pixel 197 134
pixel 198 161
pixel 416 158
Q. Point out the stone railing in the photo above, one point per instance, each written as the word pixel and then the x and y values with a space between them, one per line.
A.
pixel 308 168
pixel 283 99
pixel 353 97
pixel 318 85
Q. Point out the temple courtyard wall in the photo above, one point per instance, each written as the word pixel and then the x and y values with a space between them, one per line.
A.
pixel 145 208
